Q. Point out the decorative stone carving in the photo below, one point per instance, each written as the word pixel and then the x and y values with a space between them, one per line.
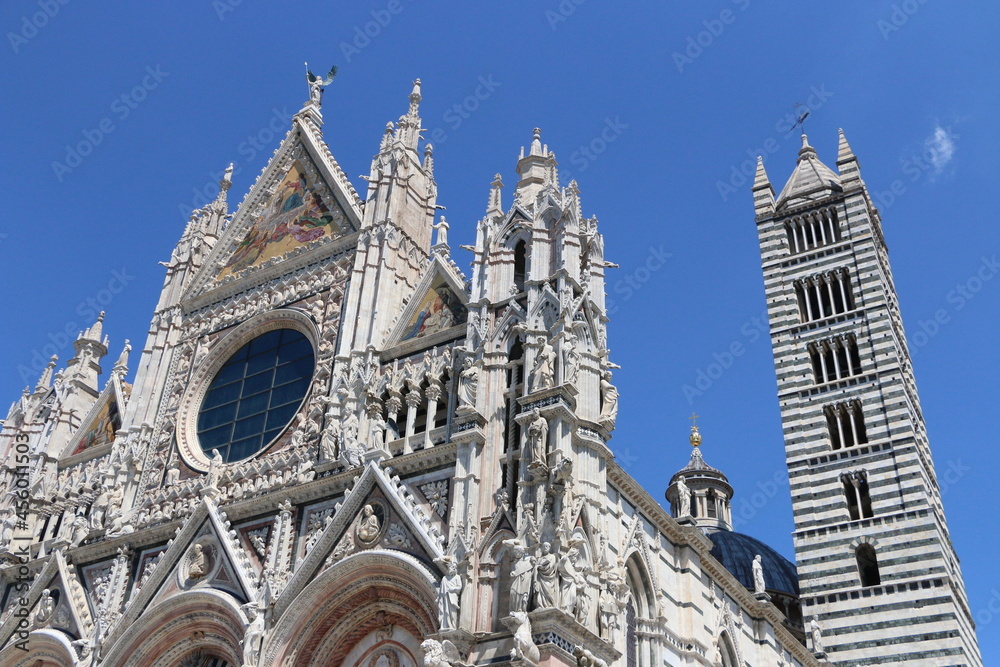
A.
pixel 585 658
pixel 46 608
pixel 436 494
pixel 440 654
pixel 368 527
pixel 524 647
pixel 396 536
pixel 198 564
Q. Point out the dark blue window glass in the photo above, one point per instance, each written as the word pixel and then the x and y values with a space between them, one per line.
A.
pixel 255 394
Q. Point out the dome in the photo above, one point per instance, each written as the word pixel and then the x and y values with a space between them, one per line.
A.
pixel 736 552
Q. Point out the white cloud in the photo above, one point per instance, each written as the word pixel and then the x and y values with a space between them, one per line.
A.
pixel 940 148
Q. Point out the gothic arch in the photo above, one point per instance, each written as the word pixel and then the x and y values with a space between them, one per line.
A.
pixel 495 567
pixel 641 612
pixel 727 651
pixel 46 648
pixel 349 601
pixel 205 620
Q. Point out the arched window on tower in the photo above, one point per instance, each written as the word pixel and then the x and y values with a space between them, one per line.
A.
pixel 520 264
pixel 859 502
pixel 868 565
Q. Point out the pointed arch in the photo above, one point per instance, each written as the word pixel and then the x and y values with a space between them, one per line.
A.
pixel 350 600
pixel 727 651
pixel 46 648
pixel 205 620
pixel 640 612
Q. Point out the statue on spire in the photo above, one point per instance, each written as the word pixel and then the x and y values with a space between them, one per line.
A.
pixel 318 84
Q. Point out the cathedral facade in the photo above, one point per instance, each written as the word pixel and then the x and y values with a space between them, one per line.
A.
pixel 339 449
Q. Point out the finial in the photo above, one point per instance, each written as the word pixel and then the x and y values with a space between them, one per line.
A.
pixel 695 436
pixel 227 178
pixel 415 98
pixel 536 141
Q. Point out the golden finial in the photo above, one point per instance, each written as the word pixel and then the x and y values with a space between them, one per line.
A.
pixel 695 437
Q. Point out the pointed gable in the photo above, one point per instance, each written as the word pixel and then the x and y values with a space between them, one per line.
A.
pixel 301 201
pixel 438 304
pixel 102 422
pixel 301 209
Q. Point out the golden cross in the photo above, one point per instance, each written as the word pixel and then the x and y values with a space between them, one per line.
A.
pixel 694 420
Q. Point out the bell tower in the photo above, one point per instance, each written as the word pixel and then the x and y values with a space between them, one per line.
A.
pixel 877 569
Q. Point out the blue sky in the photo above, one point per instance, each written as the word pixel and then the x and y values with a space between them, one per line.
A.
pixel 655 110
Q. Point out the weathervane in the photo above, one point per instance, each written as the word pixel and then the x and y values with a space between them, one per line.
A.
pixel 802 115
pixel 318 84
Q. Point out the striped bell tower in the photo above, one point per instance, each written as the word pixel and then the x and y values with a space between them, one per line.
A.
pixel 877 570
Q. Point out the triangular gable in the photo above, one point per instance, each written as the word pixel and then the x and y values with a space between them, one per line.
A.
pixel 400 509
pixel 301 200
pixel 438 303
pixel 66 607
pixel 102 422
pixel 225 565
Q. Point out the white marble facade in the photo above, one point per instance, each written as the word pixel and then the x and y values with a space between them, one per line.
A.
pixel 444 491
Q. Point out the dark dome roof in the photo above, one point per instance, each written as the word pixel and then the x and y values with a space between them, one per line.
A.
pixel 736 552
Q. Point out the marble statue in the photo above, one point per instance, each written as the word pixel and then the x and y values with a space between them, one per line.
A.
pixel 609 405
pixel 468 383
pixel 538 434
pixel 683 499
pixel 448 596
pixel 758 575
pixel 543 373
pixel 520 575
pixel 546 578
pixel 817 636
pixel 524 646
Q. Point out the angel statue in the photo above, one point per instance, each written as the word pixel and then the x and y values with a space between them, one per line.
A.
pixel 317 84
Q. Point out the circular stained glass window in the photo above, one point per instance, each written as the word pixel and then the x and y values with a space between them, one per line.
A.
pixel 255 394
